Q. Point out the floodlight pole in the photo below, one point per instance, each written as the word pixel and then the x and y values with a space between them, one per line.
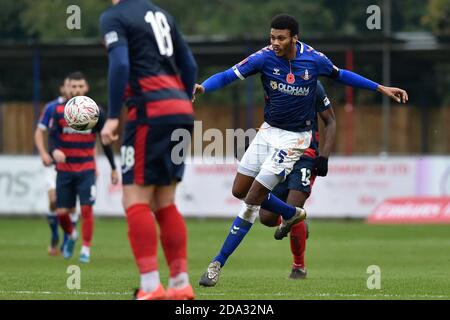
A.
pixel 386 73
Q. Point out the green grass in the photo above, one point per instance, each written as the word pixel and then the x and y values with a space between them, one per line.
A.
pixel 414 262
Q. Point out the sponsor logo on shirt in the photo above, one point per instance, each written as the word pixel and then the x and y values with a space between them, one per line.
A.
pixel 289 89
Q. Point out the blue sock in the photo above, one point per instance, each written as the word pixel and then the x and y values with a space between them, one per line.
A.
pixel 277 206
pixel 238 230
pixel 66 236
pixel 53 224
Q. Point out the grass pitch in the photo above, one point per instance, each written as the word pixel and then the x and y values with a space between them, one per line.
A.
pixel 414 262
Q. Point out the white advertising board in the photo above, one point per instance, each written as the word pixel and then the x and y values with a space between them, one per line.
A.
pixel 353 187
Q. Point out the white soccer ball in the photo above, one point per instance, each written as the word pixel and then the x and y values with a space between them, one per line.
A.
pixel 81 113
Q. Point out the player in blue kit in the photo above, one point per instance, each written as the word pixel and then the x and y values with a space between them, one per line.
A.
pixel 298 185
pixel 44 125
pixel 147 52
pixel 289 71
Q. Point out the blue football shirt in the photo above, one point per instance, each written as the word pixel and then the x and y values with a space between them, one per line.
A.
pixel 289 85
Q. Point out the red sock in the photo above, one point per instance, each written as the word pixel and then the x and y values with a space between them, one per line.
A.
pixel 87 224
pixel 173 238
pixel 142 234
pixel 65 222
pixel 298 243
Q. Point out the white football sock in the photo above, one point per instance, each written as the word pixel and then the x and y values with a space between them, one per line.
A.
pixel 85 250
pixel 74 235
pixel 150 281
pixel 179 281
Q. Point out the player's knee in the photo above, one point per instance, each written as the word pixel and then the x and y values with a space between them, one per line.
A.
pixel 238 192
pixel 52 206
pixel 162 202
pixel 267 218
pixel 61 211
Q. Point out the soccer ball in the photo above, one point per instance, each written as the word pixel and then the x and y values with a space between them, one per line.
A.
pixel 81 113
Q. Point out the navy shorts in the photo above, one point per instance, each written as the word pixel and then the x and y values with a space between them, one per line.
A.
pixel 71 184
pixel 300 179
pixel 152 154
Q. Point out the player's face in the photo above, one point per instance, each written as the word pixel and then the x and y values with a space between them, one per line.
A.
pixel 79 87
pixel 282 41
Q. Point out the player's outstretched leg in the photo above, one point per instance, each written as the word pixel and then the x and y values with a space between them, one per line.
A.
pixel 144 244
pixel 298 246
pixel 286 225
pixel 211 275
pixel 87 230
pixel 66 224
pixel 173 236
pixel 240 227
pixel 52 220
pixel 290 214
pixel 74 218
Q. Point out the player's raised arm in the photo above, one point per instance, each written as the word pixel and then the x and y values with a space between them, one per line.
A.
pixel 185 62
pixel 116 43
pixel 107 149
pixel 39 139
pixel 353 79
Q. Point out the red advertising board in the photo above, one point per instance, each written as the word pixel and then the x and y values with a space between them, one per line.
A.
pixel 415 210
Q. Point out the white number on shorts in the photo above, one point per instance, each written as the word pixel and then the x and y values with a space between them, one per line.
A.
pixel 127 153
pixel 161 30
pixel 306 176
pixel 93 192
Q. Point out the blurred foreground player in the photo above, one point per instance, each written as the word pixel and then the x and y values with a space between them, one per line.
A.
pixel 146 50
pixel 74 153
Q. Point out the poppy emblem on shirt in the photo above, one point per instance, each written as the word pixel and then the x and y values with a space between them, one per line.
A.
pixel 290 78
pixel 306 76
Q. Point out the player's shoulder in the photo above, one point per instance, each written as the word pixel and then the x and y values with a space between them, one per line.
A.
pixel 109 13
pixel 310 51
pixel 52 104
pixel 263 53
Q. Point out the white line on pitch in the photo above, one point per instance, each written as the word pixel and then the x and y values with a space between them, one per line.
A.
pixel 343 295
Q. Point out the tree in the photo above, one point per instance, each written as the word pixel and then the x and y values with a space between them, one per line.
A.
pixel 438 16
pixel 46 19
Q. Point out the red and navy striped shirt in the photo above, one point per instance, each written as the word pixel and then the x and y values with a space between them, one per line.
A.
pixel 156 92
pixel 78 146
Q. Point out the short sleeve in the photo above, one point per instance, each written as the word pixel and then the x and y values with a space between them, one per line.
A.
pixel 322 101
pixel 250 65
pixel 46 116
pixel 113 31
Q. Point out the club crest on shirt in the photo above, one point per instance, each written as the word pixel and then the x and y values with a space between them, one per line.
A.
pixel 306 76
